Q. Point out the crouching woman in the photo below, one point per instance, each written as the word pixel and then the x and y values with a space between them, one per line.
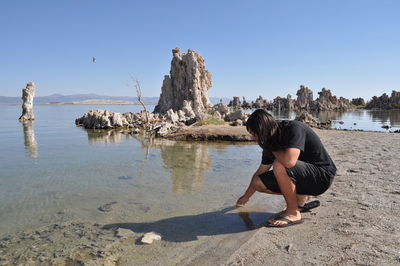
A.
pixel 301 166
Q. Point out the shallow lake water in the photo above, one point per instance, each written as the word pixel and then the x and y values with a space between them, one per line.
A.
pixel 52 171
pixel 367 120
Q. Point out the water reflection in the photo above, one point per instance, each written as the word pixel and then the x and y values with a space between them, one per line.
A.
pixel 30 143
pixel 328 115
pixel 283 114
pixel 188 161
pixel 353 120
pixel 385 116
pixel 106 136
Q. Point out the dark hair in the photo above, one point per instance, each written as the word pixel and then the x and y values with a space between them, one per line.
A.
pixel 268 129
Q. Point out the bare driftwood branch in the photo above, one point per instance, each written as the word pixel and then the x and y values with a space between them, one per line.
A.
pixel 136 85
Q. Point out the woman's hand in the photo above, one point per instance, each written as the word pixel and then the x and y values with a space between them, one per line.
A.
pixel 242 201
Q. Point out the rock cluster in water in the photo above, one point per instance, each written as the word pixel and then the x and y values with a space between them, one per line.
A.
pixel 184 93
pixel 385 102
pixel 304 101
pixel 310 120
pixel 133 122
pixel 183 101
pixel 27 106
pixel 358 101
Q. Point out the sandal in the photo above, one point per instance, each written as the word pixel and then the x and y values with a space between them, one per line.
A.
pixel 289 222
pixel 310 205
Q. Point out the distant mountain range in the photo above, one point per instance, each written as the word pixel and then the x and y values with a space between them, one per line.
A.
pixel 65 99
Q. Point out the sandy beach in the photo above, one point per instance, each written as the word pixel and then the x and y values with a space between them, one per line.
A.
pixel 356 224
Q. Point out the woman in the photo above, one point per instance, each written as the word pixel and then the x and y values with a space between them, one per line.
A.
pixel 301 165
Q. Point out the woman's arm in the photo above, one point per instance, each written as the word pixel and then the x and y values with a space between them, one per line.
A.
pixel 251 190
pixel 288 157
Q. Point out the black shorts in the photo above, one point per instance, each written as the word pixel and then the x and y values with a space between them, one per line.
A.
pixel 309 179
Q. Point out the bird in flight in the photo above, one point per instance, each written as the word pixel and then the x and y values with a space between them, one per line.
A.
pixel 94 59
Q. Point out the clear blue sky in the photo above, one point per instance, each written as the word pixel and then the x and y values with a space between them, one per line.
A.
pixel 251 48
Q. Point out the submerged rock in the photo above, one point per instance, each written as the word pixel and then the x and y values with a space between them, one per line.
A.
pixel 107 207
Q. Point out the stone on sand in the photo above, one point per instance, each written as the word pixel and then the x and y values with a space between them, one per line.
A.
pixel 148 238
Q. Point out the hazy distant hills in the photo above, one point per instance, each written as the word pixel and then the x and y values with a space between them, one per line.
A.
pixel 59 99
pixel 66 99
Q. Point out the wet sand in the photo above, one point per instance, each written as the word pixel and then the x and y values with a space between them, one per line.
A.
pixel 357 223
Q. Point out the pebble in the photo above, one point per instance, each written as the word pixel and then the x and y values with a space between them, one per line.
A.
pixel 289 248
pixel 107 207
pixel 148 238
pixel 43 258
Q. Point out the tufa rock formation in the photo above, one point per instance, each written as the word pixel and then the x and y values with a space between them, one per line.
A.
pixel 283 103
pixel 245 104
pixel 326 101
pixel 27 97
pixel 385 102
pixel 156 124
pixel 260 103
pixel 310 120
pixel 102 119
pixel 235 103
pixel 307 118
pixel 358 101
pixel 304 98
pixel 188 80
pixel 183 101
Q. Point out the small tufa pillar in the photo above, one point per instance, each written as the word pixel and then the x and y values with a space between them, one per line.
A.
pixel 27 106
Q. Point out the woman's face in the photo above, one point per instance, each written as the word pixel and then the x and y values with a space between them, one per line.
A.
pixel 254 136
